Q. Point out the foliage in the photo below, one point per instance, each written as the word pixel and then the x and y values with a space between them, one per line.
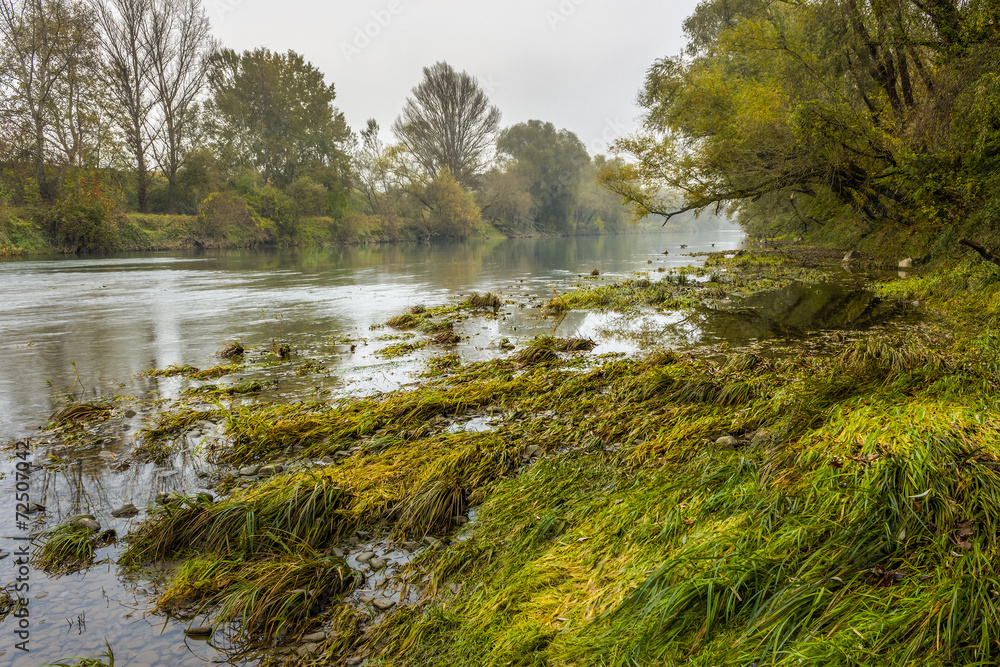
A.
pixel 449 123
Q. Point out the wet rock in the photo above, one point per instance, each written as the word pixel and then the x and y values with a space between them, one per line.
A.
pixel 130 413
pixel 35 508
pixel 270 470
pixel 353 662
pixel 852 256
pixel 337 553
pixel 413 546
pixel 314 637
pixel 162 498
pixel 126 510
pixel 383 604
pixel 377 563
pixel 366 556
pixel 249 471
pixel 200 631
pixel 363 535
pixel 431 541
pixel 532 452
pixel 328 460
pixel 461 520
pixel 907 263
pixel 89 524
pixel 727 442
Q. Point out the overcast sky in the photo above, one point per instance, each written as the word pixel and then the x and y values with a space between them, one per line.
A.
pixel 576 63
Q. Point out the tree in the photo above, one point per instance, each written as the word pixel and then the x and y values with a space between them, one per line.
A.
pixel 44 44
pixel 275 113
pixel 449 122
pixel 179 37
pixel 451 211
pixel 378 170
pixel 552 164
pixel 130 72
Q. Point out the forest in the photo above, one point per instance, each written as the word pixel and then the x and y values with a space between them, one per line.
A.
pixel 126 125
pixel 848 122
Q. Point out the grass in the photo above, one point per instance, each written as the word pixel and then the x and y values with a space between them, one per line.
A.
pixel 856 521
pixel 107 659
pixel 67 548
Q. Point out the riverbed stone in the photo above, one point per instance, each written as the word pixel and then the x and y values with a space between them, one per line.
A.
pixel 337 553
pixel 200 631
pixel 727 442
pixel 852 256
pixel 270 470
pixel 249 471
pixel 314 637
pixel 413 546
pixel 366 556
pixel 377 563
pixel 383 604
pixel 906 263
pixel 89 524
pixel 126 510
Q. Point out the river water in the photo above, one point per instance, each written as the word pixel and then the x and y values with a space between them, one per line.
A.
pixel 90 326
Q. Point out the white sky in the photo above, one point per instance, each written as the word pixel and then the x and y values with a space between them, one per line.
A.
pixel 576 63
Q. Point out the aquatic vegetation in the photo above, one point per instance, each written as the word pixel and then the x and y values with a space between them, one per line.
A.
pixel 399 350
pixel 81 413
pixel 192 373
pixel 488 301
pixel 106 659
pixel 68 548
pixel 232 350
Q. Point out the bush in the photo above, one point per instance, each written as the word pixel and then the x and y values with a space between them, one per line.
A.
pixel 85 220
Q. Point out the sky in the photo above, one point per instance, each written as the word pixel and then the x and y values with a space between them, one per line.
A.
pixel 578 64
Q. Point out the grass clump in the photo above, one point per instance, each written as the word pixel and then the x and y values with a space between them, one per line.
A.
pixel 68 548
pixel 488 302
pixel 81 413
pixel 399 350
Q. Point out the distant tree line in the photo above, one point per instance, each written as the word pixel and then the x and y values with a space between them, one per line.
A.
pixel 109 107
pixel 857 120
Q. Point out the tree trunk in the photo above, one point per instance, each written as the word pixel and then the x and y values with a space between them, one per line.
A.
pixel 983 252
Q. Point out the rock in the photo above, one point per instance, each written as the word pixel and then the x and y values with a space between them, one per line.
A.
pixel 337 553
pixel 270 470
pixel 431 541
pixel 377 563
pixel 366 556
pixel 532 451
pixel 328 460
pixel 852 256
pixel 130 413
pixel 383 604
pixel 199 631
pixel 461 520
pixel 727 442
pixel 353 662
pixel 413 546
pixel 162 498
pixel 314 637
pixel 126 510
pixel 907 263
pixel 249 471
pixel 89 524
pixel 34 508
pixel 797 239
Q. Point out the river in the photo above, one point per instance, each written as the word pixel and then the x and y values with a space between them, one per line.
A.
pixel 90 326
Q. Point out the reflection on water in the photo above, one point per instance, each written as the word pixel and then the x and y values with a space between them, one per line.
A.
pixel 117 316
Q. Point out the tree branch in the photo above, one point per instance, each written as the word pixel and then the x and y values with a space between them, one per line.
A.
pixel 983 252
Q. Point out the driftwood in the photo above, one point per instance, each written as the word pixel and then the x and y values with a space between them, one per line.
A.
pixel 983 252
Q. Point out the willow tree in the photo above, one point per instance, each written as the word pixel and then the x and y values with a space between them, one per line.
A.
pixel 449 122
pixel 830 109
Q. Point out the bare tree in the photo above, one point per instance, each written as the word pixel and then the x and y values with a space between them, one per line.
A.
pixel 449 122
pixel 41 43
pixel 130 74
pixel 179 37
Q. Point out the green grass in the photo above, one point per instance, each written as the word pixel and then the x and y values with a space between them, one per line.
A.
pixel 66 548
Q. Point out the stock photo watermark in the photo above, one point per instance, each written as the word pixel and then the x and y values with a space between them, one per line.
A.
pixel 614 129
pixel 562 13
pixel 365 34
pixel 22 567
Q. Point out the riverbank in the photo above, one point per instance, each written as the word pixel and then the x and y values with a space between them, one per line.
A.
pixel 831 499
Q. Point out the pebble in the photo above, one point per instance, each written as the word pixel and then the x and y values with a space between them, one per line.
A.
pixel 249 471
pixel 270 470
pixel 727 442
pixel 126 510
pixel 383 604
pixel 413 546
pixel 200 631
pixel 89 524
pixel 314 637
pixel 377 563
pixel 431 541
pixel 366 556
pixel 337 553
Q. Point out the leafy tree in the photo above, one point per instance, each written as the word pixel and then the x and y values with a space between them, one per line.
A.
pixel 552 163
pixel 451 211
pixel 274 112
pixel 842 111
pixel 46 53
pixel 449 122
pixel 129 76
pixel 379 170
pixel 180 42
